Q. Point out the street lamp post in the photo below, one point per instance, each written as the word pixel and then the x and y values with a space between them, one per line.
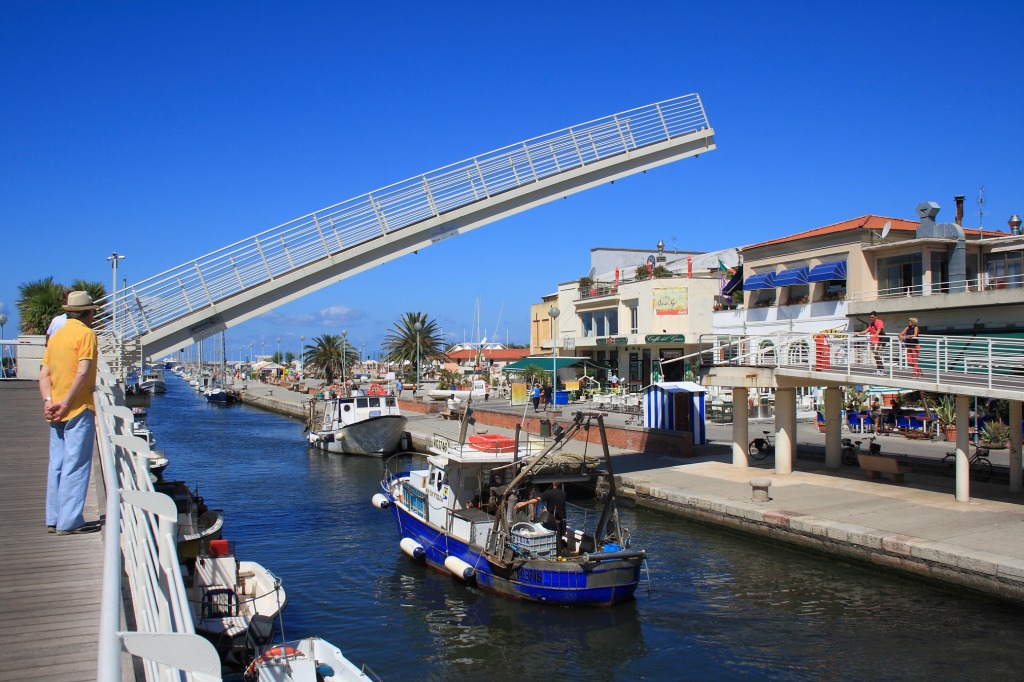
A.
pixel 302 350
pixel 418 326
pixel 113 291
pixel 3 347
pixel 344 360
pixel 279 358
pixel 250 351
pixel 554 312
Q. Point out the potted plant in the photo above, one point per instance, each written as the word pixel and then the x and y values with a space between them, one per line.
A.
pixel 586 283
pixel 995 434
pixel 945 413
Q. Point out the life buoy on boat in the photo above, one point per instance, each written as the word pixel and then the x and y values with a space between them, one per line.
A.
pixel 271 654
pixel 375 389
pixel 492 442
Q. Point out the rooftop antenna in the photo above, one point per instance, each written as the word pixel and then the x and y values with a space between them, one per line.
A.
pixel 981 207
pixel 593 271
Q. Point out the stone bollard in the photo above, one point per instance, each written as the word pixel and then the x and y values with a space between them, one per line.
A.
pixel 760 489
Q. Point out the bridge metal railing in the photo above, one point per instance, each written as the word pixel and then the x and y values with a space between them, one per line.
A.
pixel 243 265
pixel 971 362
pixel 141 540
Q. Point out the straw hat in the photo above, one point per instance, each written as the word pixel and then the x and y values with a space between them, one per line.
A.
pixel 80 300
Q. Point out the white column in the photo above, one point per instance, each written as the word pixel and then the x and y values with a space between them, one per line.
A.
pixel 740 427
pixel 833 427
pixel 785 430
pixel 963 469
pixel 1015 445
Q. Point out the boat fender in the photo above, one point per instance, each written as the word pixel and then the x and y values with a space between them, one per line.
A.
pixel 324 671
pixel 380 501
pixel 459 568
pixel 412 548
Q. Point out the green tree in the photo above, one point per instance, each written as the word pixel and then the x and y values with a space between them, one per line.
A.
pixel 324 357
pixel 400 343
pixel 41 301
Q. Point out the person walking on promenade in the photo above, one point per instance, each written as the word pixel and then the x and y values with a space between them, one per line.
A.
pixel 874 333
pixel 913 345
pixel 549 393
pixel 535 396
pixel 66 382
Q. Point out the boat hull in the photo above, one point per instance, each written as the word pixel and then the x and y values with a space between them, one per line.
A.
pixel 563 583
pixel 375 436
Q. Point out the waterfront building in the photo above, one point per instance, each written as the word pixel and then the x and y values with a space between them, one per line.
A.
pixel 635 308
pixel 955 280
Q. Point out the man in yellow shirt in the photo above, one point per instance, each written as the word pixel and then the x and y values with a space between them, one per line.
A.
pixel 66 382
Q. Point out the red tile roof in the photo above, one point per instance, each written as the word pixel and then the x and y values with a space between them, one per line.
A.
pixel 874 223
pixel 498 355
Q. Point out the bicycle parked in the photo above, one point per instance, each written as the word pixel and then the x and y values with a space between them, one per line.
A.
pixel 760 448
pixel 981 467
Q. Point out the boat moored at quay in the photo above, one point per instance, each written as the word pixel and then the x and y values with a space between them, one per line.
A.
pixel 356 425
pixel 460 516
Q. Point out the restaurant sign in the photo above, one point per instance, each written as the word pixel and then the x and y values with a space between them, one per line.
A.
pixel 665 338
pixel 613 341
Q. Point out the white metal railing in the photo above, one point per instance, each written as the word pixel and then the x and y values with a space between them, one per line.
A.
pixel 982 283
pixel 969 361
pixel 323 234
pixel 141 540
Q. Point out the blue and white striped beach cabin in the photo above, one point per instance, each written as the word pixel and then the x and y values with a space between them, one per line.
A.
pixel 676 406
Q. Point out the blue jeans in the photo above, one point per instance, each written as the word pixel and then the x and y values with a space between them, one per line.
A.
pixel 70 464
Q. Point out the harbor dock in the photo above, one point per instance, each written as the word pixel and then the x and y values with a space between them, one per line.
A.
pixel 49 584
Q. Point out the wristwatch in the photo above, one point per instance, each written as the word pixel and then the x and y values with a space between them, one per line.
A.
pixel 47 398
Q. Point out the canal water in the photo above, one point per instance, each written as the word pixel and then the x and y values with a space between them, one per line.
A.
pixel 720 606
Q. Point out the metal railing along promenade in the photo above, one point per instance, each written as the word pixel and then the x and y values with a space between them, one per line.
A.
pixel 972 365
pixel 141 540
pixel 329 233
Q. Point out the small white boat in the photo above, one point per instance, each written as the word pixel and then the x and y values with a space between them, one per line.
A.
pixel 224 594
pixel 305 660
pixel 477 393
pixel 153 381
pixel 357 425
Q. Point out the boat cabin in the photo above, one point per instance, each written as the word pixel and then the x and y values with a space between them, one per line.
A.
pixel 341 412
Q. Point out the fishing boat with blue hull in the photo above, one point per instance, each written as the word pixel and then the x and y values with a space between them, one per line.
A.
pixel 460 516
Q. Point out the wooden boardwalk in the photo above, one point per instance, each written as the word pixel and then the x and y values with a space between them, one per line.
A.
pixel 50 585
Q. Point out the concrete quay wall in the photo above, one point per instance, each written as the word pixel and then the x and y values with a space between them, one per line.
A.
pixel 987 572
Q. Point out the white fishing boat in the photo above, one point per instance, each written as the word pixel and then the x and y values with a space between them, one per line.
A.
pixel 153 381
pixel 305 660
pixel 356 425
pixel 225 594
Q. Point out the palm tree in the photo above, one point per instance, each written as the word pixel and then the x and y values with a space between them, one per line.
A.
pixel 400 344
pixel 324 355
pixel 41 301
pixel 38 303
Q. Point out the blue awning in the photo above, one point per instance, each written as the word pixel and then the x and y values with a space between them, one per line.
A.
pixel 788 278
pixel 763 280
pixel 827 271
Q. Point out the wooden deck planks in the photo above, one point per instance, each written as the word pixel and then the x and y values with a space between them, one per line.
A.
pixel 50 585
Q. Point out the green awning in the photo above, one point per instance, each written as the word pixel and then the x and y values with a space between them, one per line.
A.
pixel 545 362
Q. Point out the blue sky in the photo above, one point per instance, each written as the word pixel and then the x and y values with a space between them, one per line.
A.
pixel 164 131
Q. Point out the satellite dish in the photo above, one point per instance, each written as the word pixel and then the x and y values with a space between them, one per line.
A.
pixel 593 271
pixel 885 228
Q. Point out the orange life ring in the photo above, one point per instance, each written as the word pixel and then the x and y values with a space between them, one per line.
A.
pixel 492 442
pixel 271 654
pixel 376 389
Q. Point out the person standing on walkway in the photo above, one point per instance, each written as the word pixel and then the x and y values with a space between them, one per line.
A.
pixel 549 393
pixel 398 387
pixel 535 396
pixel 874 333
pixel 913 345
pixel 66 381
